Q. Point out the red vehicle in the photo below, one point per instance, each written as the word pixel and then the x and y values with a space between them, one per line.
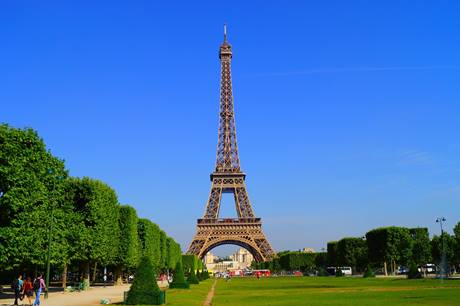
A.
pixel 259 273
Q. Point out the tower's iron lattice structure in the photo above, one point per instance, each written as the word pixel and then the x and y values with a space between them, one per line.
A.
pixel 246 230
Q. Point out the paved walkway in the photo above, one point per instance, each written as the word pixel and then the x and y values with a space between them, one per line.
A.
pixel 90 297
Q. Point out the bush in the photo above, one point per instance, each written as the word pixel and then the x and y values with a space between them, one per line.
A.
pixel 369 272
pixel 413 272
pixel 339 273
pixel 322 272
pixel 200 275
pixel 192 279
pixel 178 278
pixel 144 290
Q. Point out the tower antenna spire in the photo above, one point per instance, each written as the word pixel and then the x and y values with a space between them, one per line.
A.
pixel 225 32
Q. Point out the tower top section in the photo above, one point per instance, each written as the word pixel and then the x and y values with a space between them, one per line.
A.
pixel 227 148
pixel 225 51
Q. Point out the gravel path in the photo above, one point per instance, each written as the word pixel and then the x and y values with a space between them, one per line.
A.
pixel 90 297
pixel 208 301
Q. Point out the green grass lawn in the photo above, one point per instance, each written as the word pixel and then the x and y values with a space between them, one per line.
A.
pixel 189 297
pixel 335 291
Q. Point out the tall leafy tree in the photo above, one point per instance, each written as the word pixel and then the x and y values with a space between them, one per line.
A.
pixel 173 253
pixel 163 250
pixel 421 249
pixel 298 261
pixel 31 184
pixel 352 252
pixel 128 250
pixel 457 244
pixel 443 243
pixel 332 253
pixel 389 245
pixel 97 212
pixel 149 241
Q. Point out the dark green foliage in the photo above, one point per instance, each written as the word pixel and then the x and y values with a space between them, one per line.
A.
pixel 332 253
pixel 276 266
pixel 31 185
pixel 179 278
pixel 339 273
pixel 445 241
pixel 457 244
pixel 321 260
pixel 352 252
pixel 149 241
pixel 191 262
pixel 173 253
pixel 413 271
pixel 87 227
pixel 391 245
pixel 128 252
pixel 192 278
pixel 297 261
pixel 163 250
pixel 322 272
pixel 144 290
pixel 97 208
pixel 421 248
pixel 368 272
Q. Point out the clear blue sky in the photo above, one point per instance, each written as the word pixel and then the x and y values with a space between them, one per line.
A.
pixel 348 112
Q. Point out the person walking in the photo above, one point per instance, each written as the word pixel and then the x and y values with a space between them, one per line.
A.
pixel 28 290
pixel 17 287
pixel 39 286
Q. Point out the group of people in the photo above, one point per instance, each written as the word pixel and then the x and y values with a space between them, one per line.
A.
pixel 27 288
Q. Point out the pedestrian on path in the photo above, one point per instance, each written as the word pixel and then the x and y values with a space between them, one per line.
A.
pixel 17 287
pixel 28 290
pixel 39 286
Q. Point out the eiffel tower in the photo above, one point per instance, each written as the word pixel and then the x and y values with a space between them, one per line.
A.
pixel 246 230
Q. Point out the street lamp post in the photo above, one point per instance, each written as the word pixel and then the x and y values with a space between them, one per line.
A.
pixel 440 220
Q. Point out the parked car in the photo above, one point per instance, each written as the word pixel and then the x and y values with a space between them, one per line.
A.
pixel 402 270
pixel 428 268
pixel 346 270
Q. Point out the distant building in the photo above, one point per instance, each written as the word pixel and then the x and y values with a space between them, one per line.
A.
pixel 210 258
pixel 243 257
pixel 308 250
pixel 239 260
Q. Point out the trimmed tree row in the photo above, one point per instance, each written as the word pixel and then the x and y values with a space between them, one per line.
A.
pixel 90 230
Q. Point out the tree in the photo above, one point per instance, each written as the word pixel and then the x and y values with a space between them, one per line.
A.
pixel 149 241
pixel 457 243
pixel 368 272
pixel 389 245
pixel 97 210
pixel 31 184
pixel 444 242
pixel 179 278
pixel 190 262
pixel 163 250
pixel 128 250
pixel 173 253
pixel 144 290
pixel 321 260
pixel 192 278
pixel 421 248
pixel 352 252
pixel 297 261
pixel 332 253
